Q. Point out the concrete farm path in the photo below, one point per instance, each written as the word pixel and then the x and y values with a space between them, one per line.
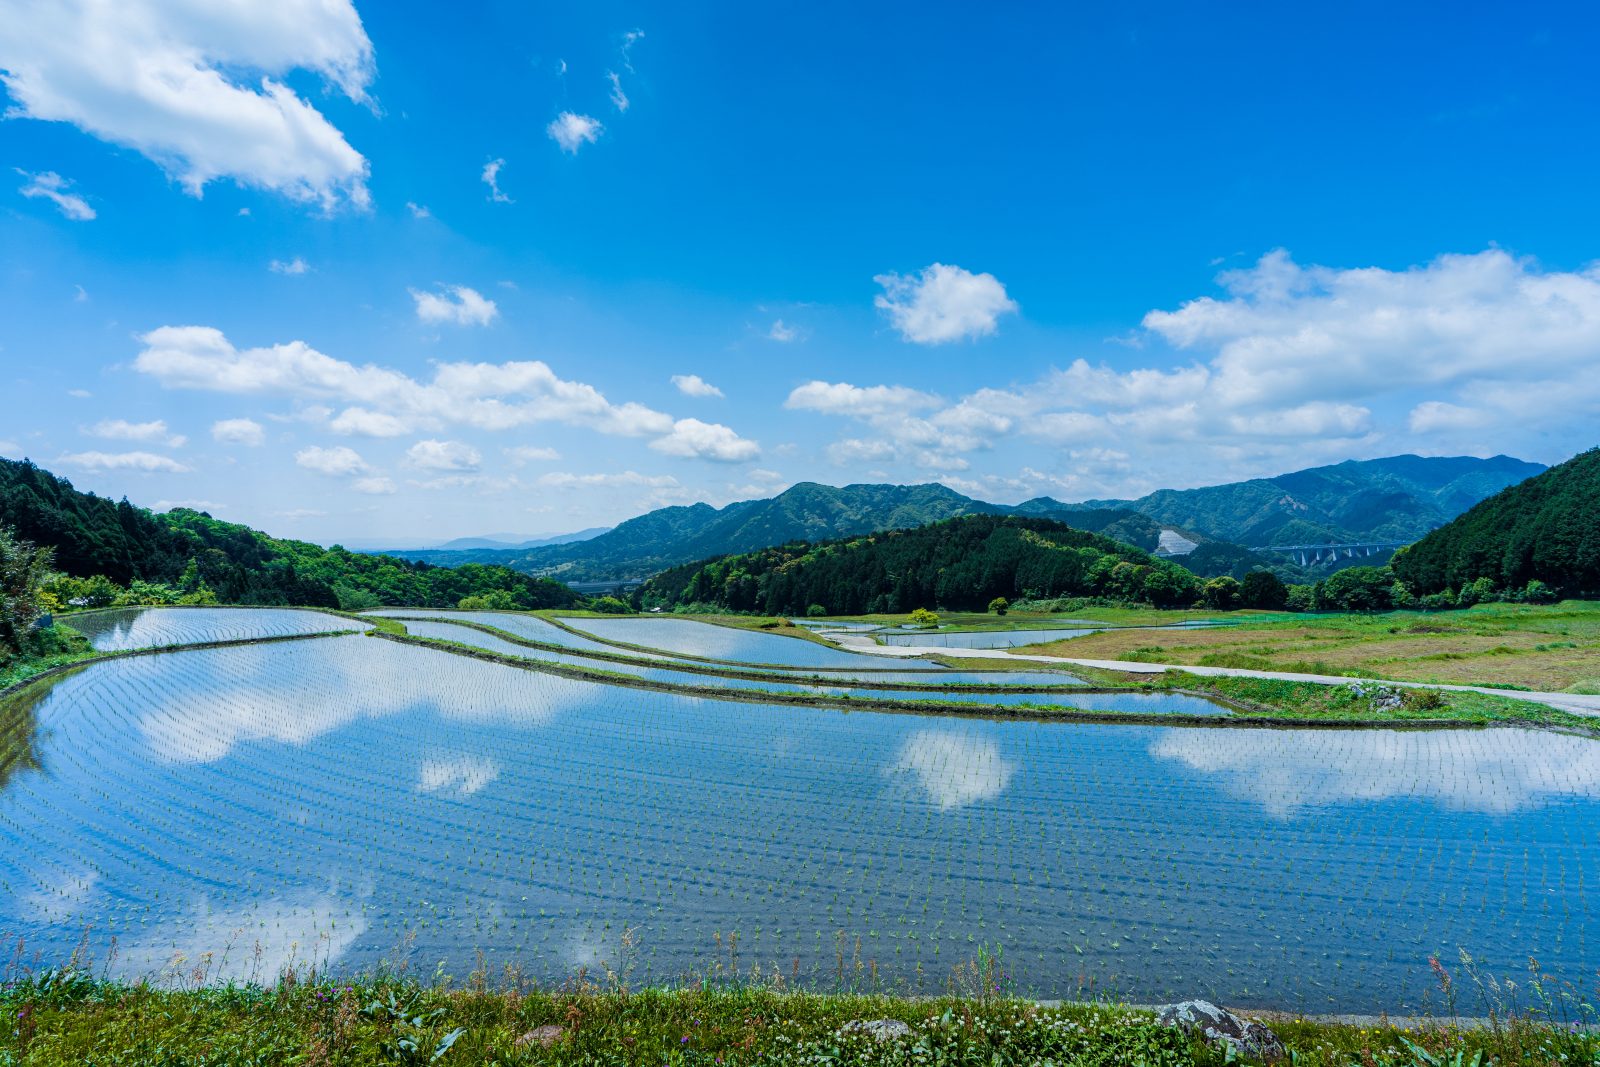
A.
pixel 1573 703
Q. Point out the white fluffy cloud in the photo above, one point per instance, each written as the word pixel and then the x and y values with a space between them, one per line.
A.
pixel 1286 333
pixel 237 432
pixel 455 303
pixel 374 485
pixel 124 461
pixel 706 440
pixel 1291 367
pixel 333 462
pixel 941 303
pixel 379 401
pixel 362 422
pixel 842 398
pixel 198 88
pixel 154 432
pixel 53 187
pixel 290 266
pixel 572 131
pixel 694 385
pixel 432 455
pixel 783 333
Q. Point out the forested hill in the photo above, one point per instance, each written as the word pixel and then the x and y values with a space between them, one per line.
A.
pixel 804 512
pixel 188 549
pixel 960 564
pixel 1398 498
pixel 1546 529
pixel 668 536
pixel 1394 499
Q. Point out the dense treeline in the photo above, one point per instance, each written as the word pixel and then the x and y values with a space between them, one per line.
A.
pixel 961 564
pixel 1544 530
pixel 115 552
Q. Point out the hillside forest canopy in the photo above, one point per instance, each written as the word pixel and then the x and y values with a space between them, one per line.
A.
pixel 107 552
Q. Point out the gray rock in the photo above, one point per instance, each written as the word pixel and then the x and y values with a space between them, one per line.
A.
pixel 543 1036
pixel 1218 1026
pixel 878 1029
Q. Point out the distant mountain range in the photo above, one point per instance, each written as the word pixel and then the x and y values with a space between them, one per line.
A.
pixel 1395 499
pixel 501 542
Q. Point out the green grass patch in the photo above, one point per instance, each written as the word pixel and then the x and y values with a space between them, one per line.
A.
pixel 59 1019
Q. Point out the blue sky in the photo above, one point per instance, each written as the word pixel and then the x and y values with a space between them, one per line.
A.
pixel 250 260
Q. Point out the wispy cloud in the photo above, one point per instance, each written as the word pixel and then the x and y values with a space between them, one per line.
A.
pixel 49 185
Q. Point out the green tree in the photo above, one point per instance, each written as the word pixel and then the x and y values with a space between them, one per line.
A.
pixel 1221 594
pixel 24 566
pixel 1263 589
pixel 609 605
pixel 1358 589
pixel 1170 587
pixel 816 611
pixel 924 618
pixel 999 605
pixel 1301 598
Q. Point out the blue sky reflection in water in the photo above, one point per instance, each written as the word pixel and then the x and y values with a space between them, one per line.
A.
pixel 351 799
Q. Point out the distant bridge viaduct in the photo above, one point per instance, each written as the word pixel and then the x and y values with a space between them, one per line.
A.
pixel 1306 555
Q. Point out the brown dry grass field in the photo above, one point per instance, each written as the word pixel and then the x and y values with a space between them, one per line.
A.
pixel 1544 647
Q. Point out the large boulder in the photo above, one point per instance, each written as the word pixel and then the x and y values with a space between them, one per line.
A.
pixel 877 1029
pixel 543 1036
pixel 1218 1026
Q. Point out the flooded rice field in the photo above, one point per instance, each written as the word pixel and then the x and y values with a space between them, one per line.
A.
pixel 354 802
pixel 116 629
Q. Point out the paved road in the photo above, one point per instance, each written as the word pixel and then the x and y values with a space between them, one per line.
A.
pixel 1569 702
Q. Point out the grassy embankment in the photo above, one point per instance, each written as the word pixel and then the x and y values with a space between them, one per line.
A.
pixel 1543 647
pixel 63 1018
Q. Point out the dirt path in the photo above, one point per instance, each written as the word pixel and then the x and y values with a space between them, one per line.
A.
pixel 1568 702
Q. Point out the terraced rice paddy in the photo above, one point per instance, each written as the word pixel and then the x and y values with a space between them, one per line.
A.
pixel 979 638
pixel 116 629
pixel 355 800
pixel 949 683
pixel 686 637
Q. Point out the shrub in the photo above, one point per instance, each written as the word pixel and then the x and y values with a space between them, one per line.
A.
pixel 816 611
pixel 925 618
pixel 999 605
pixel 609 605
pixel 498 600
pixel 1536 592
